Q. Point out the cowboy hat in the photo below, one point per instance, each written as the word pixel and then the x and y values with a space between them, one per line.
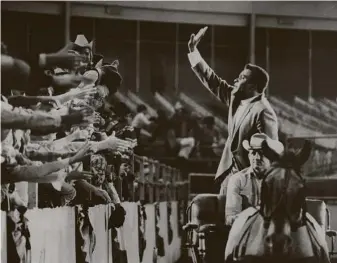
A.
pixel 260 141
pixel 82 42
pixel 110 76
pixel 97 60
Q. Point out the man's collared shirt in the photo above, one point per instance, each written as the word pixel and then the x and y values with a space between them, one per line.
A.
pixel 242 185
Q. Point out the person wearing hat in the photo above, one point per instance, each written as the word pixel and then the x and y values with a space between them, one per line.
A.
pixel 244 187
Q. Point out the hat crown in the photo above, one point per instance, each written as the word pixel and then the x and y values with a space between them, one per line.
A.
pixel 114 65
pixel 82 41
pixel 257 140
pixel 260 140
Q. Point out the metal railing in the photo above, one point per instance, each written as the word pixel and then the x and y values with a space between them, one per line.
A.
pixel 157 182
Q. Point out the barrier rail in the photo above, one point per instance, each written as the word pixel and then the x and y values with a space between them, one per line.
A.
pixel 154 218
pixel 157 181
pixel 150 233
pixel 154 182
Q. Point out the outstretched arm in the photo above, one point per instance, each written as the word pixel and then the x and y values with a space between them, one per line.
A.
pixel 219 87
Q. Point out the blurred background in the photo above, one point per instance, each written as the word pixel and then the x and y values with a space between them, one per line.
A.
pixel 186 127
pixel 296 42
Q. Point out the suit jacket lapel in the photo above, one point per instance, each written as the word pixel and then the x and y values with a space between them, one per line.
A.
pixel 231 113
pixel 242 117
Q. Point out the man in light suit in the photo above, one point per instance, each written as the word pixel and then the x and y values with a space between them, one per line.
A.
pixel 249 110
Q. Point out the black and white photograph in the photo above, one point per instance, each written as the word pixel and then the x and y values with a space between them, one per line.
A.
pixel 168 131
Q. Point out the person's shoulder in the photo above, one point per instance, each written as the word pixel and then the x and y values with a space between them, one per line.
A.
pixel 238 176
pixel 263 104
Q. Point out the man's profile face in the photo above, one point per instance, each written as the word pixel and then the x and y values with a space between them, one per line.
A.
pixel 241 84
pixel 258 161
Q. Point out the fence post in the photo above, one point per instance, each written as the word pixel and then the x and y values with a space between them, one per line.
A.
pixel 151 181
pixel 141 183
pixel 33 189
pixel 156 180
pixel 167 182
pixel 133 159
pixel 174 184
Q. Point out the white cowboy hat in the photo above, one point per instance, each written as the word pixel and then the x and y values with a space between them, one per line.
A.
pixel 82 41
pixel 259 140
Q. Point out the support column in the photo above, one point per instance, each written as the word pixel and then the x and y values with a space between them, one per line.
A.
pixel 310 66
pixel 138 57
pixel 212 47
pixel 94 35
pixel 252 25
pixel 67 16
pixel 267 58
pixel 176 71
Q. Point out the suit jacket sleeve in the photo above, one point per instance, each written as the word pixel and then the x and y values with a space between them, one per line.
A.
pixel 267 123
pixel 219 87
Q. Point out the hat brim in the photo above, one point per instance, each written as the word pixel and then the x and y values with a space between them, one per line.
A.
pixel 112 73
pixel 246 145
pixel 275 146
pixel 96 58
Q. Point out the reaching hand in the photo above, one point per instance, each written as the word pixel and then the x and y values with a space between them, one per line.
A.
pixel 103 194
pixel 52 101
pixel 77 175
pixel 76 116
pixel 116 144
pixel 64 60
pixel 81 134
pixel 83 93
pixel 67 81
pixel 195 39
pixel 81 154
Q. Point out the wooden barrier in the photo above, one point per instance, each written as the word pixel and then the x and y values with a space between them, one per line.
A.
pixel 54 238
pixel 156 184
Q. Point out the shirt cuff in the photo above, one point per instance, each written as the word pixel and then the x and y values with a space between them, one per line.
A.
pixel 42 60
pixel 194 58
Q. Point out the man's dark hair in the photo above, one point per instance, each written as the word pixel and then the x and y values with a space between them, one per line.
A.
pixel 141 108
pixel 260 77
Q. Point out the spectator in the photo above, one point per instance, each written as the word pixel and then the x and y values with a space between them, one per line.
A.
pixel 180 149
pixel 140 121
pixel 36 158
pixel 209 138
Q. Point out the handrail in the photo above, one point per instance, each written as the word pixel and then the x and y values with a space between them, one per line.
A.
pixel 157 181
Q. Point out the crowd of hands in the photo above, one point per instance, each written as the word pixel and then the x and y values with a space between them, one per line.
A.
pixel 77 121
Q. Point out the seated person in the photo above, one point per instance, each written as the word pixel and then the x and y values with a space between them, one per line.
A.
pixel 244 187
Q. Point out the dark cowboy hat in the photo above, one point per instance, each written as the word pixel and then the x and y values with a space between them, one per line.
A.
pixel 110 76
pixel 97 60
pixel 261 141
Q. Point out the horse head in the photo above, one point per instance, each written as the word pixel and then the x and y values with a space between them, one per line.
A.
pixel 283 200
